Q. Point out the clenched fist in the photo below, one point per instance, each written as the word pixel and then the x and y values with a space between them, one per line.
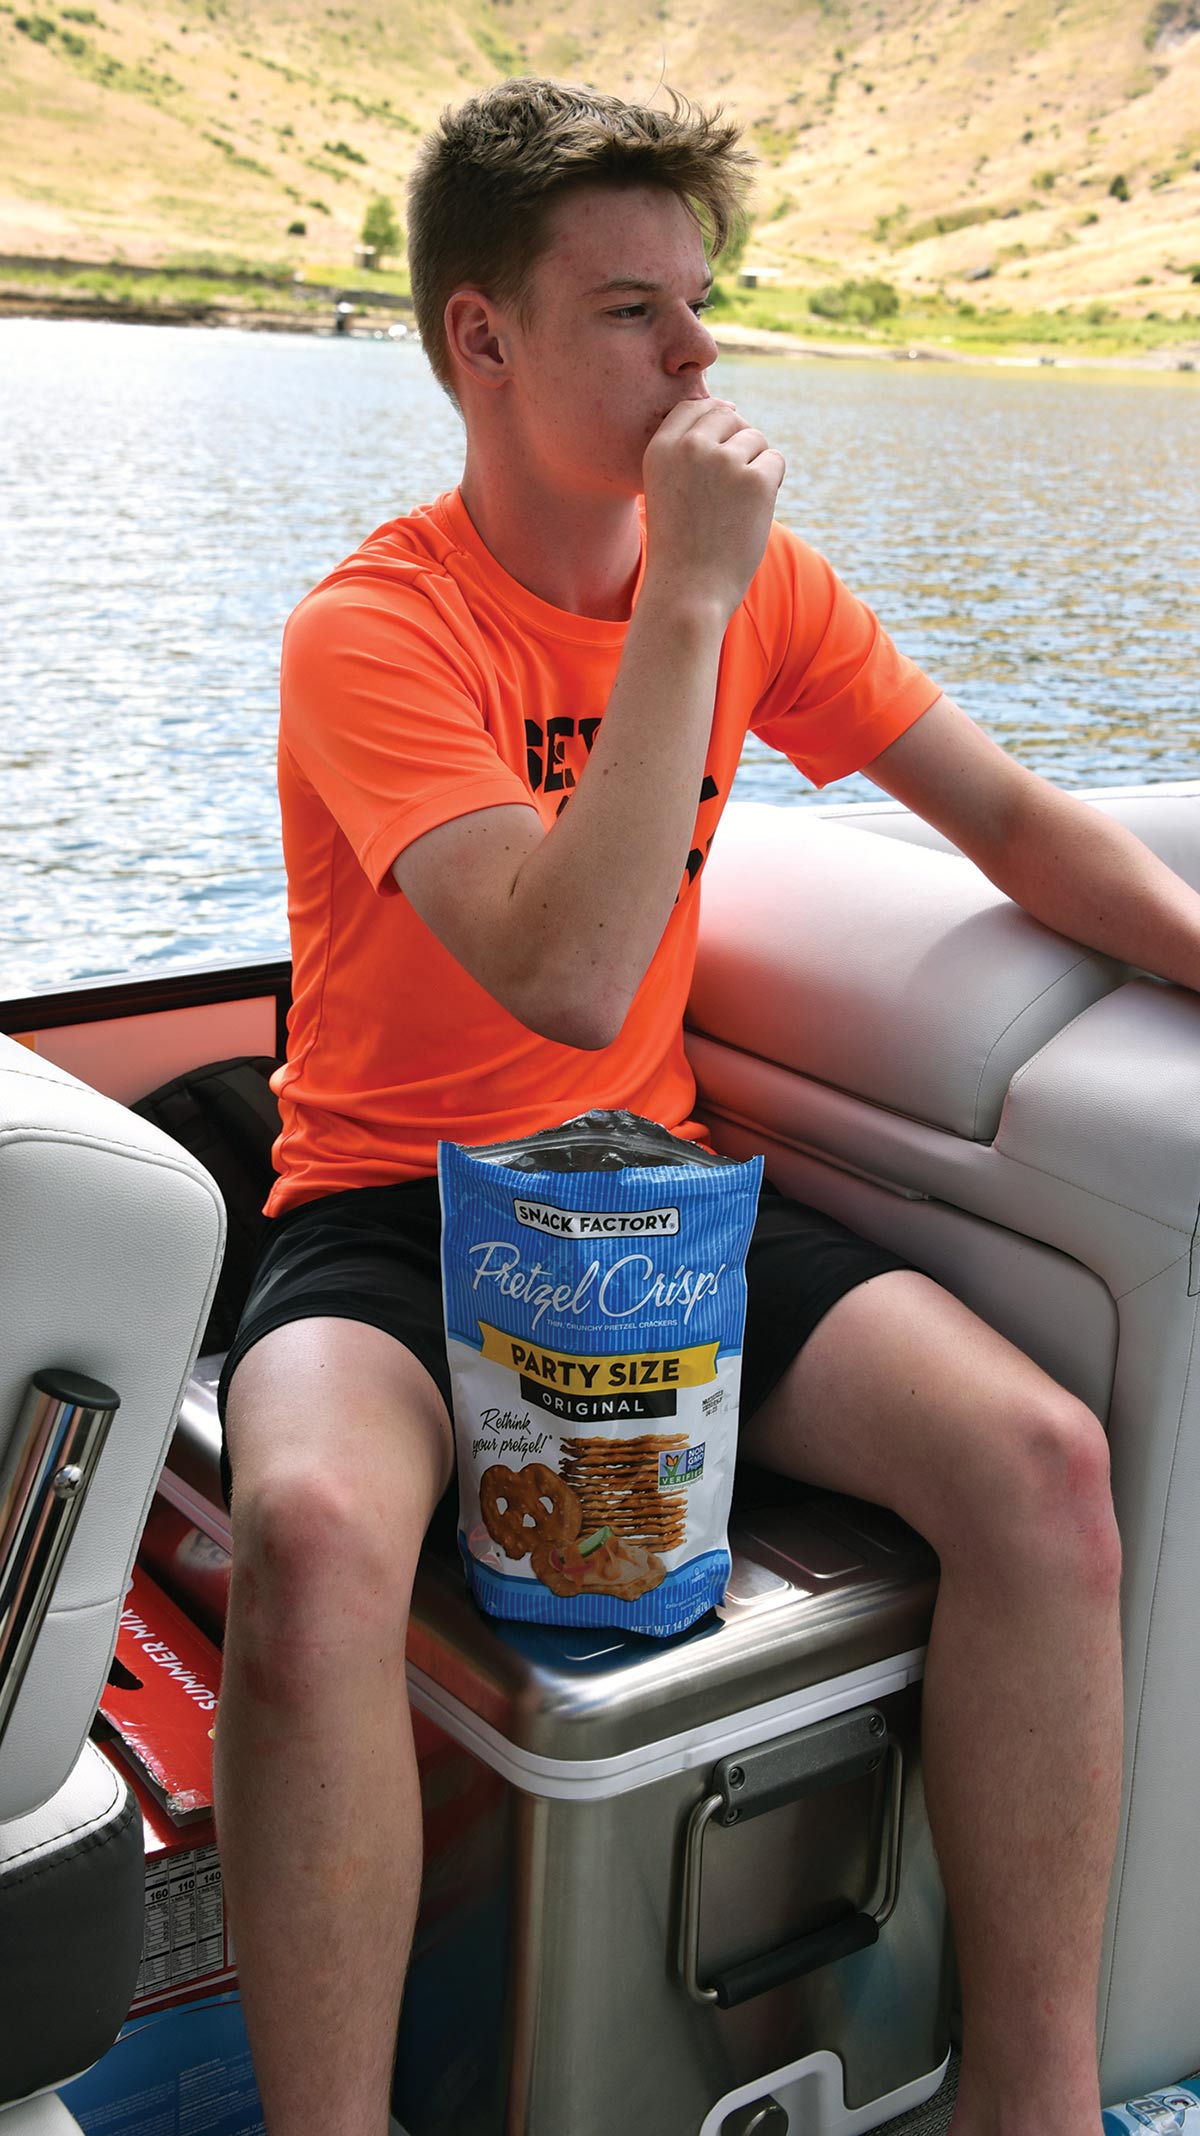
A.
pixel 711 481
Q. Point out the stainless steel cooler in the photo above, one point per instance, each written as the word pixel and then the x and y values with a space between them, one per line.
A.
pixel 668 1882
pixel 672 1888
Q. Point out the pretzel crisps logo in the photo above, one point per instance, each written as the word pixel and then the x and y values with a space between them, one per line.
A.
pixel 499 1261
pixel 596 1223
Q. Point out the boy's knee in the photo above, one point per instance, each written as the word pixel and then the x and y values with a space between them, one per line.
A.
pixel 1072 1456
pixel 1050 1510
pixel 319 1570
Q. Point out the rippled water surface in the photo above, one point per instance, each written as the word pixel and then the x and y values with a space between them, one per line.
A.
pixel 166 496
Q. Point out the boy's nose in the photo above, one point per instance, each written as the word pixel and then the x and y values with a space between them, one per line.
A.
pixel 695 349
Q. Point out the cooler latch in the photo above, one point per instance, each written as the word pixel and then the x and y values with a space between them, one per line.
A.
pixel 753 1781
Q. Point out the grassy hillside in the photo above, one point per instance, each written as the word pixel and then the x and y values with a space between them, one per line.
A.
pixel 997 159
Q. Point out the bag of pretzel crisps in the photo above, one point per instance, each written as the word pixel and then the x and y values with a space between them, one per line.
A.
pixel 595 1293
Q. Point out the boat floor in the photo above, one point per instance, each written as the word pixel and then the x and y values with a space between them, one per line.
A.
pixel 935 2116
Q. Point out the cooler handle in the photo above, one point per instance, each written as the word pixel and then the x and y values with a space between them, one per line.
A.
pixel 838 1939
pixel 746 1785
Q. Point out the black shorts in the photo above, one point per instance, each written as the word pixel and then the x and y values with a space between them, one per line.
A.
pixel 374 1254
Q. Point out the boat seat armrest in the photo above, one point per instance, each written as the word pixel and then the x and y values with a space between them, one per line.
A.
pixel 1112 1105
pixel 894 972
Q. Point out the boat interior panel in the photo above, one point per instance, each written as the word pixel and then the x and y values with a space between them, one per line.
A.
pixel 129 1058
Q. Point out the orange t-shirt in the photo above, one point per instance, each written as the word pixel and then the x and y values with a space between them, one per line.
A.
pixel 420 682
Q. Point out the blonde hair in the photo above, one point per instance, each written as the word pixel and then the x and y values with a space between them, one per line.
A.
pixel 488 175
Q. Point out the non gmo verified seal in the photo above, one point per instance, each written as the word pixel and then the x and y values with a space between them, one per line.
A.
pixel 595 1223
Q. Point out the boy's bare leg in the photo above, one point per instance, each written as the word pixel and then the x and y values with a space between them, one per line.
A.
pixel 341 1447
pixel 901 1396
pixel 904 1397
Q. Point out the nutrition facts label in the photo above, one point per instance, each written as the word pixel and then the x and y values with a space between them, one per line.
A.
pixel 184 1936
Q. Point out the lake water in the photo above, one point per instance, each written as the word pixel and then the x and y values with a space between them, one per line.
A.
pixel 166 496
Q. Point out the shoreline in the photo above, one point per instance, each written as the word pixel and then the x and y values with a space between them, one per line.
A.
pixel 756 341
pixel 376 321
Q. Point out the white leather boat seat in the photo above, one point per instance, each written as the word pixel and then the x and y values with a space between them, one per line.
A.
pixel 1022 1119
pixel 109 1253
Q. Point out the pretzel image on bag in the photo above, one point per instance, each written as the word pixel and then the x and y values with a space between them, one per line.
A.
pixel 595 1293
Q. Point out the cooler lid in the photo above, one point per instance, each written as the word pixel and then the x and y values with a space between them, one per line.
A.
pixel 827 1596
pixel 828 1605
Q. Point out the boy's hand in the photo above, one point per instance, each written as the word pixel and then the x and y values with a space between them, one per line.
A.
pixel 711 482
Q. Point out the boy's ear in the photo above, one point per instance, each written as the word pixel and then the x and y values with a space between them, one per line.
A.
pixel 477 337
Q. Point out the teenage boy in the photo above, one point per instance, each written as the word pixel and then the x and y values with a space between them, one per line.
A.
pixel 509 724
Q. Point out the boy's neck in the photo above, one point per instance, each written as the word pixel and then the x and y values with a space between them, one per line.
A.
pixel 579 554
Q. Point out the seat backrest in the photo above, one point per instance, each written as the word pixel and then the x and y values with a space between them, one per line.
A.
pixel 110 1246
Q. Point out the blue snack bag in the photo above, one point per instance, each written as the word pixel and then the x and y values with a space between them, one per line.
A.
pixel 595 1293
pixel 1173 2112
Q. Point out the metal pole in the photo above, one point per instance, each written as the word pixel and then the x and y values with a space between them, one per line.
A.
pixel 51 1459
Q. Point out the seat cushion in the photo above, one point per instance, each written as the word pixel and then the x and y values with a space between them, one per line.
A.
pixel 72 1900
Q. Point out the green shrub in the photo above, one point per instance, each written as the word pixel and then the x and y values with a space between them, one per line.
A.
pixel 888 223
pixel 1160 19
pixel 772 142
pixel 343 148
pixel 297 229
pixel 243 163
pixel 1119 189
pixel 735 247
pixel 506 58
pixel 380 228
pixel 862 301
pixel 954 219
pixel 39 27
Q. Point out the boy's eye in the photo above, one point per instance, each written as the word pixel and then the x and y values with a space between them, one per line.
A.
pixel 639 311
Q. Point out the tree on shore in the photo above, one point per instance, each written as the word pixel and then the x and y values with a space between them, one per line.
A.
pixel 380 228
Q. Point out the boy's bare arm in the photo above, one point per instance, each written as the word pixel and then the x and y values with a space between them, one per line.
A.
pixel 560 925
pixel 1074 868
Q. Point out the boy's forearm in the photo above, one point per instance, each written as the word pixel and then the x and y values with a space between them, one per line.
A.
pixel 560 926
pixel 1084 874
pixel 590 902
